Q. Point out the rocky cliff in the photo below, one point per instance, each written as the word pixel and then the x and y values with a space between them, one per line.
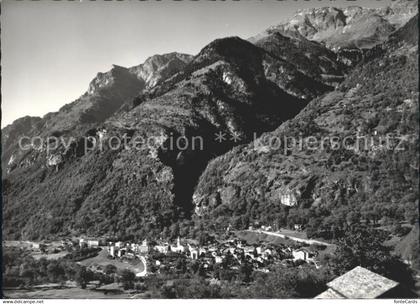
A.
pixel 351 27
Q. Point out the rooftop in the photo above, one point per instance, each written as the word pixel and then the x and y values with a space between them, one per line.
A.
pixel 330 294
pixel 359 283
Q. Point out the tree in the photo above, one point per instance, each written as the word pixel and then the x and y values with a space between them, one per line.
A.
pixel 181 264
pixel 203 237
pixel 283 282
pixel 174 231
pixel 27 271
pixel 81 277
pixel 365 247
pixel 245 272
pixel 110 269
pixel 55 272
pixel 127 278
pixel 227 261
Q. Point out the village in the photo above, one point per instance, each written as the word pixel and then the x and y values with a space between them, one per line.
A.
pixel 158 255
pixel 131 269
pixel 151 256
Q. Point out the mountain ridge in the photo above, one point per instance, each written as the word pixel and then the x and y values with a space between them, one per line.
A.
pixel 230 86
pixel 350 27
pixel 326 189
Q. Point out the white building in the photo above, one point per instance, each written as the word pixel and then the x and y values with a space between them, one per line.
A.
pixel 218 259
pixel 298 227
pixel 178 248
pixel 195 253
pixel 35 245
pixel 300 255
pixel 111 250
pixel 144 247
pixel 162 248
pixel 93 243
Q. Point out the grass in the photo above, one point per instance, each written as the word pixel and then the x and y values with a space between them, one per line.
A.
pixel 292 233
pixel 61 293
pixel 254 238
pixel 102 260
pixel 50 256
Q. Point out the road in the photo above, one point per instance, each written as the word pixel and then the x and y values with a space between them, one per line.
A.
pixel 297 239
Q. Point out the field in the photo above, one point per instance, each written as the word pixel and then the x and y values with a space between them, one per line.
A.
pixel 50 256
pixel 254 238
pixel 102 260
pixel 61 293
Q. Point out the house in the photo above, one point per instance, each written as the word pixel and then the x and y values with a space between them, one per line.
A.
pixel 240 244
pixel 298 227
pixel 121 252
pixel 82 243
pixel 162 248
pixel 218 259
pixel 111 250
pixel 178 248
pixel 35 245
pixel 144 247
pixel 300 255
pixel 93 243
pixel 195 253
pixel 136 248
pixel 268 252
pixel 360 283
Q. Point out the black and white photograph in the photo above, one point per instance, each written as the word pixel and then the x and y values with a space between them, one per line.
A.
pixel 198 149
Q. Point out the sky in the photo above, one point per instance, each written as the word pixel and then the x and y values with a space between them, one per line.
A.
pixel 51 50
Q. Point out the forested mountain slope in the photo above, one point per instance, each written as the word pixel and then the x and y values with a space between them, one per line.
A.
pixel 328 181
pixel 118 172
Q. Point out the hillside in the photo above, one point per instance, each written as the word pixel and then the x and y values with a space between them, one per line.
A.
pixel 106 94
pixel 325 181
pixel 231 86
pixel 172 172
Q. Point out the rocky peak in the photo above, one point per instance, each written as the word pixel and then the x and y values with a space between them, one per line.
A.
pixel 311 21
pixel 350 27
pixel 108 79
pixel 158 67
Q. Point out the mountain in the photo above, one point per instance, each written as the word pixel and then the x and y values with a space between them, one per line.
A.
pixel 332 165
pixel 138 152
pixel 231 86
pixel 159 67
pixel 106 94
pixel 9 134
pixel 351 27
